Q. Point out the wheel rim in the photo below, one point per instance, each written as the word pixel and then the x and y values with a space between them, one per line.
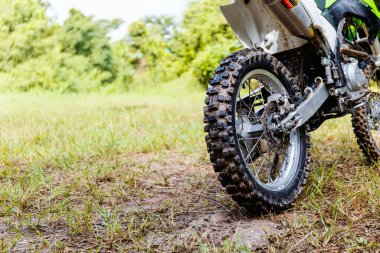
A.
pixel 373 107
pixel 272 169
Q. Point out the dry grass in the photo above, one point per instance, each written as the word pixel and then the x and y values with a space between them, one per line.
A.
pixel 130 173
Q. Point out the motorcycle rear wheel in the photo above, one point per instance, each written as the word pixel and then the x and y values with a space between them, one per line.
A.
pixel 253 169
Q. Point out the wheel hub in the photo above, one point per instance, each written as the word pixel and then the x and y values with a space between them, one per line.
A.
pixel 276 140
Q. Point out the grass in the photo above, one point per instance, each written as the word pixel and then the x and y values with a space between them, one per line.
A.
pixel 130 172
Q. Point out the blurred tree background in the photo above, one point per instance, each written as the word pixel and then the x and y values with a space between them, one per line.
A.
pixel 39 54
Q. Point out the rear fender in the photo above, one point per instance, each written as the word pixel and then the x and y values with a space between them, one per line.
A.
pixel 255 26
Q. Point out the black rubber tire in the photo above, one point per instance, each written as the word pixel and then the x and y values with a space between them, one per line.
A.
pixel 221 138
pixel 363 135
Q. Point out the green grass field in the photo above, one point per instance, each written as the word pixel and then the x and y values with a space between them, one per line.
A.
pixel 130 173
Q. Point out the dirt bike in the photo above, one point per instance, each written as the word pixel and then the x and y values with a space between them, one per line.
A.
pixel 305 62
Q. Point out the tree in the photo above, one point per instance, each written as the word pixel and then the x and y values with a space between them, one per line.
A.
pixel 25 32
pixel 148 40
pixel 81 35
pixel 203 38
pixel 38 53
pixel 168 50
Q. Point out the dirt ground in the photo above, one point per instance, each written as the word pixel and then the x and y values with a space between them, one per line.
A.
pixel 174 203
pixel 181 202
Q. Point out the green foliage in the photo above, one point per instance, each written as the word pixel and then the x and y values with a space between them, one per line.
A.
pixel 196 45
pixel 78 56
pixel 124 66
pixel 204 64
pixel 203 26
pixel 24 32
pixel 39 54
pixel 83 37
pixel 149 39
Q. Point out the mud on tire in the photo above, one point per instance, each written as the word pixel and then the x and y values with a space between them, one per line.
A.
pixel 224 151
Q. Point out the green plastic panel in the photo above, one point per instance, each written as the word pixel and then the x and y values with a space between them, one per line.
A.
pixel 373 6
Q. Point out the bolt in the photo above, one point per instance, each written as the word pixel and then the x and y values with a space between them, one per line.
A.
pixel 289 125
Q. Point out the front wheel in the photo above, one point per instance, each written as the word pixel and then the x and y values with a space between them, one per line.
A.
pixel 366 122
pixel 258 167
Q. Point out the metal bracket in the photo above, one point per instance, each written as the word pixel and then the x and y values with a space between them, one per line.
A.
pixel 297 117
pixel 308 108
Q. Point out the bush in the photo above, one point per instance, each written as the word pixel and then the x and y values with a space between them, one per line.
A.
pixel 205 63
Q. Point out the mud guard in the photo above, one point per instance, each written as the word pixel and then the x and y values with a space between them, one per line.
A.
pixel 256 26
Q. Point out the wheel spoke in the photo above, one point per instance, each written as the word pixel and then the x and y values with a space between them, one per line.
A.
pixel 261 165
pixel 254 147
pixel 242 100
pixel 265 163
